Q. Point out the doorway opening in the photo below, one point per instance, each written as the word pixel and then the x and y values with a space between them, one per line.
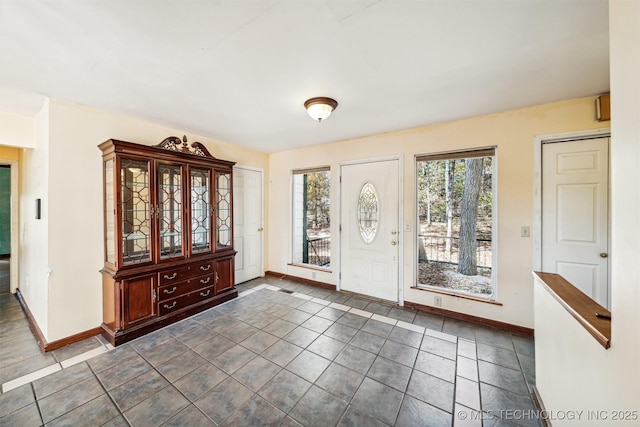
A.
pixel 5 229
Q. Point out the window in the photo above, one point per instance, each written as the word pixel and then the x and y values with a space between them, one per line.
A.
pixel 455 202
pixel 311 220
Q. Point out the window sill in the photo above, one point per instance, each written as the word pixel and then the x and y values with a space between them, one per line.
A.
pixel 580 306
pixel 458 295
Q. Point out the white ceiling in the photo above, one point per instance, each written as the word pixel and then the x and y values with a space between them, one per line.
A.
pixel 240 70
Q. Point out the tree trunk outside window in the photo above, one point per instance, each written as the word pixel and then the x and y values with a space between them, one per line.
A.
pixel 449 174
pixel 468 217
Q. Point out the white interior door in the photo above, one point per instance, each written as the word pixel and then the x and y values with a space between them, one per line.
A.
pixel 369 220
pixel 247 223
pixel 575 214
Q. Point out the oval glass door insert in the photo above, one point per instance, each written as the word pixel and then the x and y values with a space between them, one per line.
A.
pixel 368 212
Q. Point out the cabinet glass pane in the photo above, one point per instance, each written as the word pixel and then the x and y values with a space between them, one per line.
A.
pixel 109 213
pixel 200 211
pixel 170 210
pixel 223 199
pixel 136 229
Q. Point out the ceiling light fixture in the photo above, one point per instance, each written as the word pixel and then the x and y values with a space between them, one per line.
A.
pixel 320 108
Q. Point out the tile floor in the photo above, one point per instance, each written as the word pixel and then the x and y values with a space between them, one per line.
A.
pixel 283 353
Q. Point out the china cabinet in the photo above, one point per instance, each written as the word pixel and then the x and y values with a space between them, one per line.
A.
pixel 168 235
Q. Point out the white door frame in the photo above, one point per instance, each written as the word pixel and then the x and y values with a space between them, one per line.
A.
pixel 264 230
pixel 538 141
pixel 399 158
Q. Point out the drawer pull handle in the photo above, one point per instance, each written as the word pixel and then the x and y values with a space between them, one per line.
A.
pixel 205 268
pixel 173 276
pixel 170 306
pixel 169 292
pixel 205 294
pixel 205 281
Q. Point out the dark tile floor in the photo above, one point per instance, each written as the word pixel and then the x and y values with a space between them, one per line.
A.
pixel 313 358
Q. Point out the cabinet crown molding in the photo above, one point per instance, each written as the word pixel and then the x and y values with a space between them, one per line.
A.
pixel 173 143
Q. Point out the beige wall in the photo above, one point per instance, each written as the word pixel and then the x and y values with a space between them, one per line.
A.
pixel 9 154
pixel 16 131
pixel 65 170
pixel 512 132
pixel 573 372
pixel 34 234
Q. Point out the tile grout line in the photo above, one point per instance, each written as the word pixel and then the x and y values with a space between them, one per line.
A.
pixel 171 383
pixel 35 399
pixel 95 374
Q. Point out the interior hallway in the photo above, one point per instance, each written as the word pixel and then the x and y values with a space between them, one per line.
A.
pixel 284 353
pixel 4 275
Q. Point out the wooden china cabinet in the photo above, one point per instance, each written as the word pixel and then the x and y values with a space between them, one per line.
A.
pixel 168 235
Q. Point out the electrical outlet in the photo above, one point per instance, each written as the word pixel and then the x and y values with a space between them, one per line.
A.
pixel 525 231
pixel 437 301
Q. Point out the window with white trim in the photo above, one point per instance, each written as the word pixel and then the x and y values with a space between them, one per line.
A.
pixel 455 230
pixel 311 218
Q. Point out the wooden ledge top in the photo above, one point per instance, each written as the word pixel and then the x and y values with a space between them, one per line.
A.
pixel 580 306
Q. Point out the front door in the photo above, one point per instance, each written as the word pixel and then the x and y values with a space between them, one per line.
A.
pixel 575 214
pixel 247 223
pixel 369 221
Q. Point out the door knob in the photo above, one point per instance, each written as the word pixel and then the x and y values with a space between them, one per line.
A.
pixel 260 229
pixel 604 255
pixel 393 242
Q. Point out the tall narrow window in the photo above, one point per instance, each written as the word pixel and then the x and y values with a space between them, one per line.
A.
pixel 311 220
pixel 455 222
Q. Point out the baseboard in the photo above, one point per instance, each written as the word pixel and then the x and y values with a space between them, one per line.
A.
pixel 32 321
pixel 42 342
pixel 301 280
pixel 537 400
pixel 470 318
pixel 72 339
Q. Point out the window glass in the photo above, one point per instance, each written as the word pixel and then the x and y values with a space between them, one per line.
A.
pixel 368 212
pixel 311 219
pixel 455 196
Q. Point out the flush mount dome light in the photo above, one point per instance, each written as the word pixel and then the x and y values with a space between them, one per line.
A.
pixel 320 108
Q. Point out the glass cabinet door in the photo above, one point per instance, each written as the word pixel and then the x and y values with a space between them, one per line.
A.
pixel 136 211
pixel 223 203
pixel 200 210
pixel 169 211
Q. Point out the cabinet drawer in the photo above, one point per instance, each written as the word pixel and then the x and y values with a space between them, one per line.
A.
pixel 179 274
pixel 207 280
pixel 202 268
pixel 171 305
pixel 173 276
pixel 182 288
